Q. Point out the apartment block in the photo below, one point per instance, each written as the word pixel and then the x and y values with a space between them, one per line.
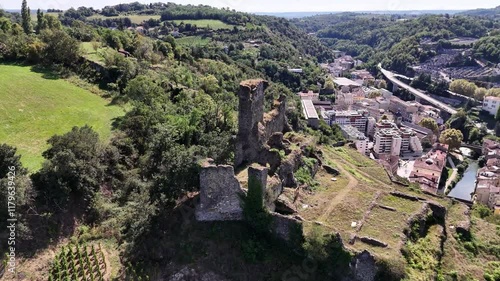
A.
pixel 358 138
pixel 357 119
pixel 394 141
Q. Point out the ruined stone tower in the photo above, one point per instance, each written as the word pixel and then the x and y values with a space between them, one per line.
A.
pixel 251 114
pixel 255 126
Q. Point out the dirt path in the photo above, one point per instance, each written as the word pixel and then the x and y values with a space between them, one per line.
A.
pixel 353 182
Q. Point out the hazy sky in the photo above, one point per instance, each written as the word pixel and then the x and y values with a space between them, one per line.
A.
pixel 278 5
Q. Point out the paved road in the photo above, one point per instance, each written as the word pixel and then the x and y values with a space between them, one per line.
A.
pixel 417 93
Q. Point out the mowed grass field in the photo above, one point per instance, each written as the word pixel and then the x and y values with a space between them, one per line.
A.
pixel 34 108
pixel 137 19
pixel 214 24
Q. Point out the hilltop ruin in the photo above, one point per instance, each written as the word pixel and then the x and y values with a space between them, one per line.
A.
pixel 258 142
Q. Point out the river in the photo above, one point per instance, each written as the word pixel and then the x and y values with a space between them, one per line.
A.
pixel 466 185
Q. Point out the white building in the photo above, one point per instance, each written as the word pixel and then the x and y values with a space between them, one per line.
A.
pixel 491 104
pixel 310 113
pixel 394 141
pixel 387 141
pixel 370 126
pixel 359 139
pixel 487 193
pixel 357 119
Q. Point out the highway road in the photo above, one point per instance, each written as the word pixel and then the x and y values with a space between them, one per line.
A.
pixel 391 76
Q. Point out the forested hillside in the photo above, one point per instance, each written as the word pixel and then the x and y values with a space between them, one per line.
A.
pixel 392 39
pixel 494 12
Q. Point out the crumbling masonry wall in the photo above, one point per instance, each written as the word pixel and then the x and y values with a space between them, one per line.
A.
pixel 254 127
pixel 220 194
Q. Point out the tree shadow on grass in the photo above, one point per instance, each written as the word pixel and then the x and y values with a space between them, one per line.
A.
pixel 53 73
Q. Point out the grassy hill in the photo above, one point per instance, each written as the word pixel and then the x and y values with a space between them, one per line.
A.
pixel 137 19
pixel 214 24
pixel 35 106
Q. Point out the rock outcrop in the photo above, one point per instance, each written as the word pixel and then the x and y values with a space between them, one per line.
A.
pixel 364 267
pixel 189 274
pixel 332 171
pixel 372 241
pixel 285 206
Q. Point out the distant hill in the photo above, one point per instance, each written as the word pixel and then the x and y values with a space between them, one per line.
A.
pixel 409 12
pixel 494 12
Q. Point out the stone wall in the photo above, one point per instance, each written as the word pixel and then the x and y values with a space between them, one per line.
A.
pixel 272 185
pixel 275 120
pixel 288 166
pixel 220 194
pixel 286 228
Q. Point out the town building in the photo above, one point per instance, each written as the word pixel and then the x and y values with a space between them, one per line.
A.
pixel 406 108
pixel 394 141
pixel 488 193
pixel 310 113
pixel 427 169
pixel 326 104
pixel 357 119
pixel 310 95
pixel 491 104
pixel 488 178
pixel 344 100
pixel 369 105
pixel 491 149
pixel 358 138
pixel 364 76
pixel 427 111
pixel 422 133
pixel 345 84
pixel 370 126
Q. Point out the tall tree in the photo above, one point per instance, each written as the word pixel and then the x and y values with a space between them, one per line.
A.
pixel 39 18
pixel 72 169
pixel 26 17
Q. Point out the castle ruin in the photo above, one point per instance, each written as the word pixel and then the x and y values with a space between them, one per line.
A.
pixel 258 134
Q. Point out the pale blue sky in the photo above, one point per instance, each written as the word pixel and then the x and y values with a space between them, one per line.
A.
pixel 278 5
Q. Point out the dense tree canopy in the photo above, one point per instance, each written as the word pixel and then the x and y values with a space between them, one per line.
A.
pixel 488 48
pixel 430 124
pixel 451 137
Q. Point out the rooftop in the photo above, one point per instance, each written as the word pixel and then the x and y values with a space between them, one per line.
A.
pixel 342 81
pixel 353 132
pixel 309 109
pixel 492 98
pixel 435 160
pixel 346 113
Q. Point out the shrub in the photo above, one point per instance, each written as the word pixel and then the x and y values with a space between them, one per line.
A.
pixel 252 250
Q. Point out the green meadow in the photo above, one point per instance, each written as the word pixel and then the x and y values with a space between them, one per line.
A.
pixel 35 105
